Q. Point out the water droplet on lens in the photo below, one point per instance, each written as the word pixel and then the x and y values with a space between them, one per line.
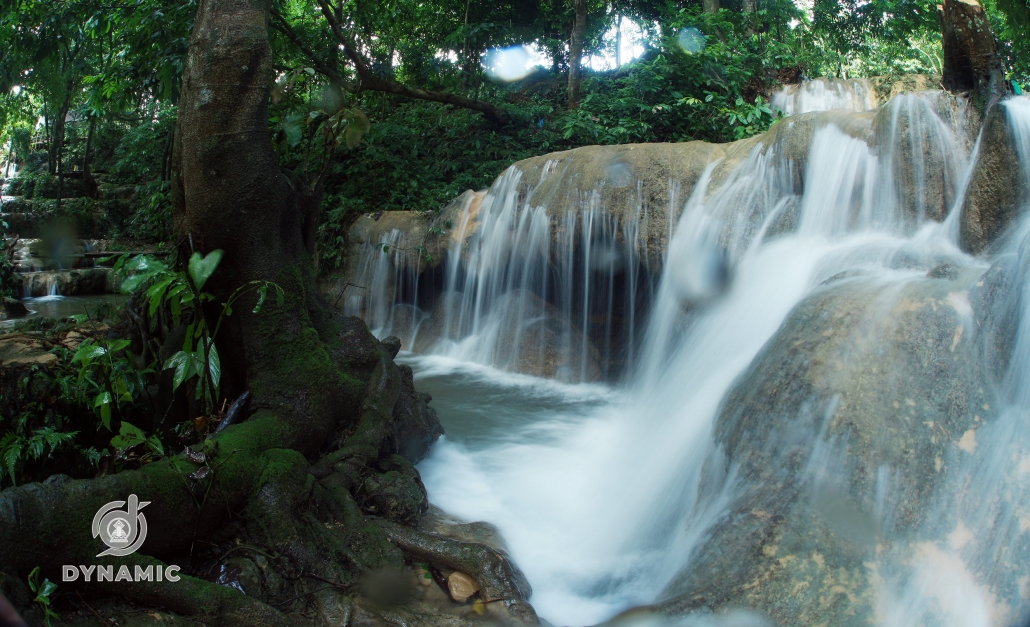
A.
pixel 618 175
pixel 691 40
pixel 508 64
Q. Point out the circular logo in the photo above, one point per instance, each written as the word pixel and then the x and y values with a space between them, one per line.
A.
pixel 122 530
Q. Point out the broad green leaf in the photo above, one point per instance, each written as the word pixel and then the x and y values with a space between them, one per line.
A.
pixel 116 345
pixel 201 268
pixel 128 436
pixel 357 126
pixel 214 365
pixel 88 352
pixel 156 293
pixel 105 415
pixel 182 362
pixel 48 588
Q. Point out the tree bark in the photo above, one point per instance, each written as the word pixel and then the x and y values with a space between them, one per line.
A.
pixel 579 28
pixel 711 6
pixel 971 59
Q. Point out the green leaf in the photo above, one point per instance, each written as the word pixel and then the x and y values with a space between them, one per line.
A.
pixel 116 345
pixel 201 268
pixel 12 454
pixel 357 126
pixel 214 365
pixel 128 436
pixel 105 415
pixel 262 294
pixel 88 352
pixel 155 445
pixel 183 364
pixel 156 293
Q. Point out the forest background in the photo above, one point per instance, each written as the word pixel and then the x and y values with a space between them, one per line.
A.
pixel 93 86
pixel 382 106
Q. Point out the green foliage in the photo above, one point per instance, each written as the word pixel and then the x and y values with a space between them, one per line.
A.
pixel 107 374
pixel 43 591
pixel 182 293
pixel 15 449
pixel 130 437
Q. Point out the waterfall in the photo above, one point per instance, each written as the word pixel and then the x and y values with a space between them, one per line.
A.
pixel 521 290
pixel 804 372
pixel 825 94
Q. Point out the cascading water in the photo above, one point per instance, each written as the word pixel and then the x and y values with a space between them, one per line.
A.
pixel 521 291
pixel 735 415
pixel 825 94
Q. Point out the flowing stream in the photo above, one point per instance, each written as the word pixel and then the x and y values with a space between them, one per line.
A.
pixel 602 482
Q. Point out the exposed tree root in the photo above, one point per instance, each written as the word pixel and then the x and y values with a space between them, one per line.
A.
pixel 499 577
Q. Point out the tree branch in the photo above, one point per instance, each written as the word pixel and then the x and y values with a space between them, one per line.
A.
pixel 373 82
pixel 280 24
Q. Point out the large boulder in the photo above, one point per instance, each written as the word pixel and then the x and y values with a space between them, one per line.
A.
pixel 998 187
pixel 533 338
pixel 920 138
pixel 844 430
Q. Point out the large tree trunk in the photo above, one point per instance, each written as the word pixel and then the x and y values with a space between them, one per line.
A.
pixel 971 59
pixel 711 6
pixel 337 427
pixel 579 29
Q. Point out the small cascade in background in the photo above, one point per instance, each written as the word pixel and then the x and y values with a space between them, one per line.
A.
pixel 532 294
pixel 518 290
pixel 51 288
pixel 826 94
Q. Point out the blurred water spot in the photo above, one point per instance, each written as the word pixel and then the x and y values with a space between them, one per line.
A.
pixel 691 40
pixel 508 64
pixel 618 175
pixel 699 265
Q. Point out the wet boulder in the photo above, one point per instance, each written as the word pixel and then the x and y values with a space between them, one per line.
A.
pixel 999 182
pixel 15 308
pixel 533 338
pixel 847 426
pixel 416 423
pixel 444 322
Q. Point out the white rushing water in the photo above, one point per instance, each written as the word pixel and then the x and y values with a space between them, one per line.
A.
pixel 825 94
pixel 598 489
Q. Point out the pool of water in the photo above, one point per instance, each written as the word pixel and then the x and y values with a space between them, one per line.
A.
pixel 63 306
pixel 529 455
